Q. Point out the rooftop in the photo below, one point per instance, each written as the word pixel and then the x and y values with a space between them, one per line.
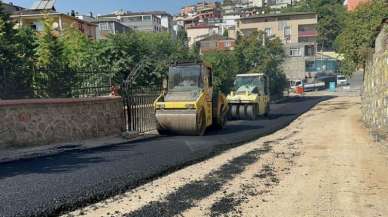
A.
pixel 129 13
pixel 278 15
pixel 39 12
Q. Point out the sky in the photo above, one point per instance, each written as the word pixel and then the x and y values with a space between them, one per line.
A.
pixel 108 6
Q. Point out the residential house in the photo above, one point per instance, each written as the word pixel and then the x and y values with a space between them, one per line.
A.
pixel 10 7
pixel 200 14
pixel 138 21
pixel 34 18
pixel 216 43
pixel 199 32
pixel 296 30
pixel 166 20
pixel 109 27
pixel 353 4
pixel 278 4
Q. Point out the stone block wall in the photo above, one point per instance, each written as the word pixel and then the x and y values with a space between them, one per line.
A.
pixel 47 121
pixel 375 95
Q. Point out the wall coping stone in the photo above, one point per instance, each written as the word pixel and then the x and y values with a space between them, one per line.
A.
pixel 57 101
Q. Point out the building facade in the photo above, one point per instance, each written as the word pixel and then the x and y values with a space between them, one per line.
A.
pixel 353 4
pixel 35 20
pixel 197 33
pixel 142 21
pixel 216 43
pixel 109 27
pixel 298 33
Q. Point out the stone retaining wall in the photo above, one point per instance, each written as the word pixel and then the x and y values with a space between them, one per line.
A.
pixel 47 121
pixel 375 95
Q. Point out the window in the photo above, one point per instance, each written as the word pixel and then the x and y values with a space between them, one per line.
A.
pixel 146 18
pixel 295 52
pixel 104 26
pixel 134 19
pixel 287 31
pixel 287 34
pixel 268 31
pixel 227 44
pixel 309 50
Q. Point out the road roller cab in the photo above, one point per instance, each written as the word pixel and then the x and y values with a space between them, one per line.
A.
pixel 250 97
pixel 189 104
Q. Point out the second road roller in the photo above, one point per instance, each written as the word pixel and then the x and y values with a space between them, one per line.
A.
pixel 250 98
pixel 189 103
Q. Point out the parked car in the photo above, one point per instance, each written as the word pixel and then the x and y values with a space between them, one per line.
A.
pixel 307 86
pixel 342 80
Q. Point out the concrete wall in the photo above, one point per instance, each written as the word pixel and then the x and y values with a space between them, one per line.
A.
pixel 48 121
pixel 375 92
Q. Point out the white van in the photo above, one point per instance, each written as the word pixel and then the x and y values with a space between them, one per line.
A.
pixel 342 80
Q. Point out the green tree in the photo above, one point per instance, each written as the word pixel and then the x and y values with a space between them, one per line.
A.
pixel 225 68
pixel 7 39
pixel 49 52
pixel 255 53
pixel 359 34
pixel 76 48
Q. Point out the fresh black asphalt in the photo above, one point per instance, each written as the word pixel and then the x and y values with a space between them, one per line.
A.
pixel 48 186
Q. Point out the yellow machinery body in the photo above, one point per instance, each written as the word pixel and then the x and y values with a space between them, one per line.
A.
pixel 251 97
pixel 188 106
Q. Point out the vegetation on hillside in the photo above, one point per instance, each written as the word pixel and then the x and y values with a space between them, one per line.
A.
pixel 359 33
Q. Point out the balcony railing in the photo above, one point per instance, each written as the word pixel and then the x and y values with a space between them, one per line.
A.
pixel 312 33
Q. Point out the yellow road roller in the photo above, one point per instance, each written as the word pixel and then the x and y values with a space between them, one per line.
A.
pixel 250 98
pixel 189 104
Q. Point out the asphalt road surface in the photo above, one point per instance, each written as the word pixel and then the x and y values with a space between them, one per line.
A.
pixel 47 186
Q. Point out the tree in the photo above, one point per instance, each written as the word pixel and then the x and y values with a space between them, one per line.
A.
pixel 225 68
pixel 255 53
pixel 76 48
pixel 49 52
pixel 359 34
pixel 7 39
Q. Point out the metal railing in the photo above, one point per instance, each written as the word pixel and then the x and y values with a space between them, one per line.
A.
pixel 31 82
pixel 139 108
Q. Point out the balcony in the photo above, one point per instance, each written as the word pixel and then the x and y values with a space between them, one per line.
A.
pixel 311 33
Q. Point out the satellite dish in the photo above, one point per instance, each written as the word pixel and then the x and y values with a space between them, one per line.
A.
pixel 55 25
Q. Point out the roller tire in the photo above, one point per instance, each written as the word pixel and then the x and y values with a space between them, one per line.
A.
pixel 234 112
pixel 267 110
pixel 242 112
pixel 223 119
pixel 161 131
pixel 201 124
pixel 251 111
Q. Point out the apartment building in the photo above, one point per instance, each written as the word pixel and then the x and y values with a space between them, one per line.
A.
pixel 296 30
pixel 138 21
pixel 200 14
